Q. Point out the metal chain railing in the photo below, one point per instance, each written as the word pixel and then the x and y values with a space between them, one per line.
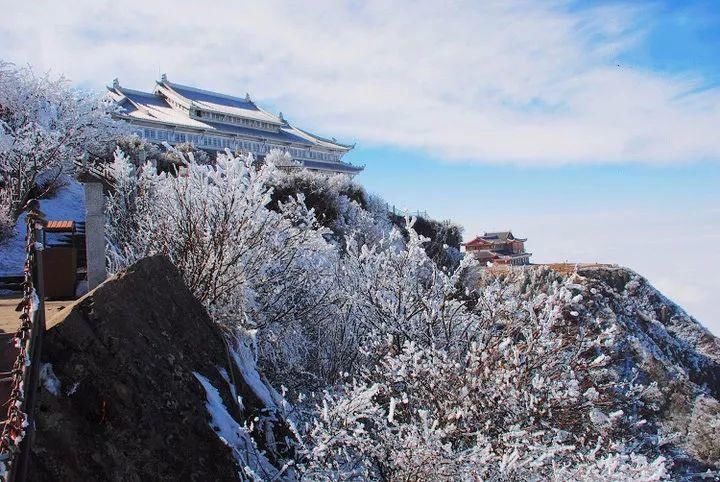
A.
pixel 17 420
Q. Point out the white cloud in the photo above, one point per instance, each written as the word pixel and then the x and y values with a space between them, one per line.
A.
pixel 523 82
pixel 493 81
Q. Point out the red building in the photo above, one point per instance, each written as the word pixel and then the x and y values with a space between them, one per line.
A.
pixel 499 248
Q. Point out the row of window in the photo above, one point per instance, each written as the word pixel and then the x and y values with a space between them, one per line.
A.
pixel 216 142
pixel 308 154
pixel 237 120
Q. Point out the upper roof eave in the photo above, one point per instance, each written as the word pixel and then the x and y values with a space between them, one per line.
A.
pixel 332 166
pixel 328 142
pixel 173 85
pixel 162 89
pixel 208 106
pixel 477 240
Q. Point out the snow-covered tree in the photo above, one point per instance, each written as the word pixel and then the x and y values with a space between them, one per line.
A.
pixel 517 404
pixel 250 265
pixel 421 415
pixel 6 219
pixel 44 127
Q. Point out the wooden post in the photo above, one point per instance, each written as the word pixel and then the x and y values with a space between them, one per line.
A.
pixel 39 282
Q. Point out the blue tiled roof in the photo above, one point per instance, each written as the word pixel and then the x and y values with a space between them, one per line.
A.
pixel 325 139
pixel 127 105
pixel 144 98
pixel 282 136
pixel 205 96
pixel 335 166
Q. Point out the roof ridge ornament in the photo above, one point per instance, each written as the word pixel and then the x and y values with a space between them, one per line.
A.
pixel 247 97
pixel 116 83
pixel 163 78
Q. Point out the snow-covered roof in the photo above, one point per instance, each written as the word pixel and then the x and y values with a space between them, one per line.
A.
pixel 478 241
pixel 332 166
pixel 158 107
pixel 330 143
pixel 215 102
pixel 282 135
pixel 151 107
pixel 484 253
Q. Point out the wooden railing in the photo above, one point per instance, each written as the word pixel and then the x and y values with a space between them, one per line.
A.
pixel 24 377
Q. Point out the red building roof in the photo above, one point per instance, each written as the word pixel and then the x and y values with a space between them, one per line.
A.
pixel 488 239
pixel 59 226
pixel 479 241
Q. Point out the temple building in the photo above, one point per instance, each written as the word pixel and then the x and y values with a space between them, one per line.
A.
pixel 177 114
pixel 499 248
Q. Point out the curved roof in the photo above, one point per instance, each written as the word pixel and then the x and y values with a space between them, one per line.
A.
pixel 220 103
pixel 332 166
pixel 500 237
pixel 155 107
pixel 282 135
pixel 147 106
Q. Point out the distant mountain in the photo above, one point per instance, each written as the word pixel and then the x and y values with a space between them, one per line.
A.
pixel 661 365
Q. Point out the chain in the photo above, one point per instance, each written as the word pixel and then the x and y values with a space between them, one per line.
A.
pixel 16 420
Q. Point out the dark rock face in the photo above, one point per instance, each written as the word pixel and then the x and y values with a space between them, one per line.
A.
pixel 129 407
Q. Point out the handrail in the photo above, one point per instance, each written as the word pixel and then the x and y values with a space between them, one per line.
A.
pixel 96 171
pixel 17 431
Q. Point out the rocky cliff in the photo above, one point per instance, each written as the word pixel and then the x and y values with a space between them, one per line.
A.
pixel 138 386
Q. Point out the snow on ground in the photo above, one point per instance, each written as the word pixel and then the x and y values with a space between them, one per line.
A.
pixel 248 457
pixel 245 361
pixel 233 390
pixel 68 204
pixel 12 250
pixel 49 380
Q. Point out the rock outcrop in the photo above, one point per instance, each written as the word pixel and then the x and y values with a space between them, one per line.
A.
pixel 121 398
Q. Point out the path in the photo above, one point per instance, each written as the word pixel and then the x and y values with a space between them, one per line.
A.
pixel 9 324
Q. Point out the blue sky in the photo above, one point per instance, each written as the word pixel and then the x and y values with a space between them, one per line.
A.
pixel 682 36
pixel 416 181
pixel 592 128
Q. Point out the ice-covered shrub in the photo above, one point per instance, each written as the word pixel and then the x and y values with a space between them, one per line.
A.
pixel 337 201
pixel 420 414
pixel 703 432
pixel 397 368
pixel 7 222
pixel 249 265
pixel 444 239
